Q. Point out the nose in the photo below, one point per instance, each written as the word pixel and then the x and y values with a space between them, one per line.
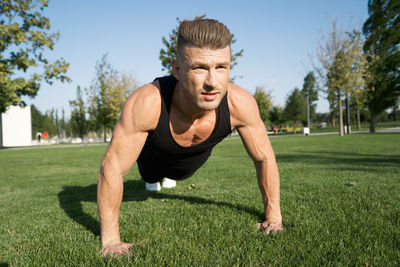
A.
pixel 211 81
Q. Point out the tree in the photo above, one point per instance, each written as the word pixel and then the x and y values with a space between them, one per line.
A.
pixel 78 119
pixel 295 107
pixel 277 116
pixel 382 31
pixel 358 73
pixel 395 110
pixel 342 70
pixel 330 55
pixel 171 46
pixel 333 106
pixel 98 96
pixel 62 123
pixel 50 123
pixel 337 79
pixel 264 102
pixel 47 121
pixel 37 121
pixel 122 85
pixel 24 37
pixel 107 95
pixel 57 123
pixel 310 87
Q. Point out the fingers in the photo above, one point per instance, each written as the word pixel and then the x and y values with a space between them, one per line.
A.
pixel 117 249
pixel 269 228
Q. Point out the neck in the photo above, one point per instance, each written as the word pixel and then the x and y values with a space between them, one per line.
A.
pixel 187 109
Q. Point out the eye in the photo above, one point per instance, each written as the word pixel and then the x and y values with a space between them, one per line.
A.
pixel 198 68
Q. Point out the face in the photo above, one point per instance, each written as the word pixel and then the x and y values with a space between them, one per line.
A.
pixel 203 74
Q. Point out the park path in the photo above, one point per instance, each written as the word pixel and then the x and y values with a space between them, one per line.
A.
pixel 386 130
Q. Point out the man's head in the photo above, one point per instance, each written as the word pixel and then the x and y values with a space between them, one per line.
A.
pixel 203 33
pixel 203 62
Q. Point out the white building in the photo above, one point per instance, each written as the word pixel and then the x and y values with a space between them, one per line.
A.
pixel 16 127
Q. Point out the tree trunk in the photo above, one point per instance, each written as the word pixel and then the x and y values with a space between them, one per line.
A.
pixel 358 119
pixel 372 122
pixel 340 116
pixel 333 118
pixel 104 133
pixel 295 126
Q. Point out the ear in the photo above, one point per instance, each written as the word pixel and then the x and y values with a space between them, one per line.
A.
pixel 175 68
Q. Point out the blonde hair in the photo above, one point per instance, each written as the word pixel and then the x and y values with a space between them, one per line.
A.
pixel 203 33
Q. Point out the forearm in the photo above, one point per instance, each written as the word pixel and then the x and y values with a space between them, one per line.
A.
pixel 109 199
pixel 269 184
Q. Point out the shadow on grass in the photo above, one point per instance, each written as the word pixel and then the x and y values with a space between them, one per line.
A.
pixel 72 197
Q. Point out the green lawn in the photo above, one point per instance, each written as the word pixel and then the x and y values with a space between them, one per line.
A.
pixel 340 205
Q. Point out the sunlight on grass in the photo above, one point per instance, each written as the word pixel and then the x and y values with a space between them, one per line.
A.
pixel 340 206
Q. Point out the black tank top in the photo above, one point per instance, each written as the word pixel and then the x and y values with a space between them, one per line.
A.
pixel 162 157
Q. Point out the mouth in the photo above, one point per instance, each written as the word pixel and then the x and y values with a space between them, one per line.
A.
pixel 209 96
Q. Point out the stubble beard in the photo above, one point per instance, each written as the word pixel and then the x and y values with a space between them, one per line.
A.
pixel 205 106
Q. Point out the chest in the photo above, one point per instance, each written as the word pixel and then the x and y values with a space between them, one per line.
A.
pixel 189 133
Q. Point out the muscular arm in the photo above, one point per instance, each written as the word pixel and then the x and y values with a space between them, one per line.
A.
pixel 130 133
pixel 246 119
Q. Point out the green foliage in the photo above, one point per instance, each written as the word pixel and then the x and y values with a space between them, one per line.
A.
pixel 382 31
pixel 37 121
pixel 44 122
pixel 343 70
pixel 337 75
pixel 98 96
pixel 264 102
pixel 277 116
pixel 78 119
pixel 332 44
pixel 23 39
pixel 295 107
pixel 64 125
pixel 170 52
pixel 107 95
pixel 310 87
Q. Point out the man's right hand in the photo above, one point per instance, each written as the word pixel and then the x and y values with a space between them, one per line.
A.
pixel 269 228
pixel 117 249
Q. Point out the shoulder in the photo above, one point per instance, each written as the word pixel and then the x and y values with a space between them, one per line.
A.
pixel 142 109
pixel 242 106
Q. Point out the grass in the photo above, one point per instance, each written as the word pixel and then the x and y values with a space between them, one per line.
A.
pixel 340 203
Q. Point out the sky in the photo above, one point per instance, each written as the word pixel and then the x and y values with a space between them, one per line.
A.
pixel 277 37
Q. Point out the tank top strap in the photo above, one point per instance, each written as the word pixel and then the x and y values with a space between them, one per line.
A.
pixel 224 123
pixel 167 85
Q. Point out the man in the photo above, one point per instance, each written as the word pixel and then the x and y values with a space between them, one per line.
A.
pixel 171 125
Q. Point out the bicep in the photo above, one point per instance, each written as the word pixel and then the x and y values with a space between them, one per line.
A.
pixel 256 142
pixel 124 149
pixel 138 117
pixel 251 128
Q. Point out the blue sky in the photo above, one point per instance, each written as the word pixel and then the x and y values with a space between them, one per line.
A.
pixel 277 38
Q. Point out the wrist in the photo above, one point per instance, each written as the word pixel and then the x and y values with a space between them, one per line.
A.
pixel 107 243
pixel 273 217
pixel 273 214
